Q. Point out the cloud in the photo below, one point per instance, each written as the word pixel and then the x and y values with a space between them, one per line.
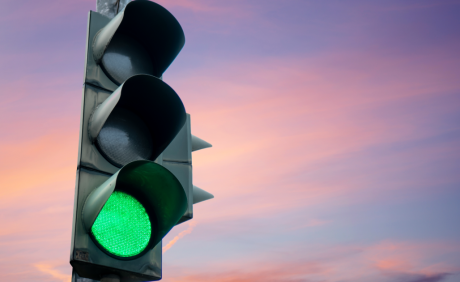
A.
pixel 314 261
pixel 270 272
pixel 409 277
pixel 37 13
pixel 291 127
pixel 192 224
pixel 398 6
pixel 293 133
pixel 49 269
pixel 42 161
pixel 194 5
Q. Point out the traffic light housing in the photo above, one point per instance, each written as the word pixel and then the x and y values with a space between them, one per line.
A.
pixel 144 108
pixel 129 192
pixel 144 38
pixel 127 215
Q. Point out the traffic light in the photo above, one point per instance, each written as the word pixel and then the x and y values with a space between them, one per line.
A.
pixel 134 172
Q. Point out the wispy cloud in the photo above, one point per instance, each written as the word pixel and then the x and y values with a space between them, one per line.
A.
pixel 192 224
pixel 316 112
pixel 410 277
pixel 413 263
pixel 194 5
pixel 50 269
pixel 271 272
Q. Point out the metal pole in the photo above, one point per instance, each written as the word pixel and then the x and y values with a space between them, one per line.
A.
pixel 76 278
pixel 110 8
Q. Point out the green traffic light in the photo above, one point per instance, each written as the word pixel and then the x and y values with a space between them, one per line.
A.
pixel 123 227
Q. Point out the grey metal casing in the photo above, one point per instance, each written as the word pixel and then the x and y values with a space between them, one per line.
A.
pixel 77 278
pixel 93 72
pixel 180 149
pixel 145 22
pixel 183 172
pixel 93 169
pixel 89 260
pixel 177 158
pixel 88 155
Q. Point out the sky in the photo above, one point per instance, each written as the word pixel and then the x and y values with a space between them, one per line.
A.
pixel 335 128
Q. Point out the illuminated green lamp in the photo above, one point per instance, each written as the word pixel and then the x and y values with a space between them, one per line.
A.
pixel 123 226
pixel 134 209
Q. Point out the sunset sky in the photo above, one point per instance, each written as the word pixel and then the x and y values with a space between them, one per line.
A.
pixel 335 128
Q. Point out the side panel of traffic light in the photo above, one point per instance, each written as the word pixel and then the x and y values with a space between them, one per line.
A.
pixel 177 158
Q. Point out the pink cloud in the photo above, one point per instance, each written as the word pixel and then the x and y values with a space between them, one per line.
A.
pixel 196 6
pixel 38 13
pixel 171 243
pixel 38 162
pixel 272 122
pixel 361 263
pixel 272 272
pixel 49 268
pixel 307 114
pixel 412 257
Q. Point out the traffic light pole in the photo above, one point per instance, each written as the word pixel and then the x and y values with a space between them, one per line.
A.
pixel 110 8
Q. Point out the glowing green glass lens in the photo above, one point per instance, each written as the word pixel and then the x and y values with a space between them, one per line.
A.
pixel 123 226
